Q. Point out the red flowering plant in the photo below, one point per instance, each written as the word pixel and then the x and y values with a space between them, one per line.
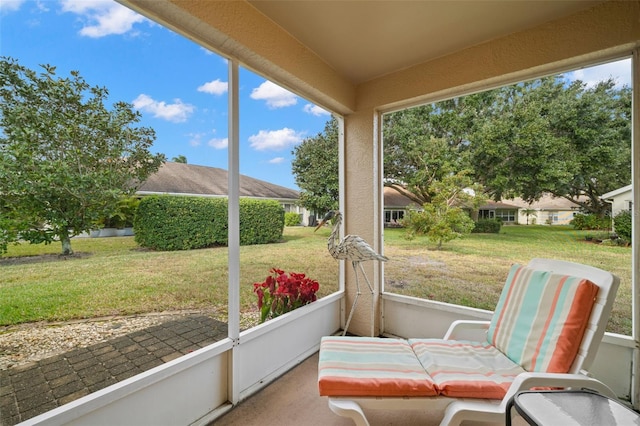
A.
pixel 281 292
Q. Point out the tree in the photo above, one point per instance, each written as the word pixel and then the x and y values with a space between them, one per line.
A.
pixel 180 159
pixel 545 136
pixel 315 166
pixel 528 213
pixel 425 144
pixel 65 159
pixel 444 218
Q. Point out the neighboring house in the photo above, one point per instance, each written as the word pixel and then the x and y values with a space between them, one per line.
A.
pixel 202 181
pixel 396 206
pixel 548 210
pixel 620 199
pixel 508 213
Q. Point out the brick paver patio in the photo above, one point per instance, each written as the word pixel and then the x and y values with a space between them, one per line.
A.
pixel 32 389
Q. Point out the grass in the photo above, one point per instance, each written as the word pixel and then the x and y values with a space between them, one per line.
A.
pixel 471 271
pixel 113 276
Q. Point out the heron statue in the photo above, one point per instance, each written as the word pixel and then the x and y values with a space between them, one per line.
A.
pixel 352 248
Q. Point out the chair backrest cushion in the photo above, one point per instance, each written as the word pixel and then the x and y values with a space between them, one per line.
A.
pixel 541 317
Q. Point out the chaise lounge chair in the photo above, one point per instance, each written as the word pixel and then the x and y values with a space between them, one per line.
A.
pixel 544 333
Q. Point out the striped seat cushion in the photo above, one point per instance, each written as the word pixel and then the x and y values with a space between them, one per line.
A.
pixel 463 369
pixel 362 366
pixel 541 317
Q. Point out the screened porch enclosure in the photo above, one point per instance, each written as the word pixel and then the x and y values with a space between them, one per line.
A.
pixel 320 50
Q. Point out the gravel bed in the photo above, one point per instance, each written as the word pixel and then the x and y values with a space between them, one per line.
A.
pixel 32 342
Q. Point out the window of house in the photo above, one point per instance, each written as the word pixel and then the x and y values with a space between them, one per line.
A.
pixel 486 214
pixel 506 215
pixel 393 217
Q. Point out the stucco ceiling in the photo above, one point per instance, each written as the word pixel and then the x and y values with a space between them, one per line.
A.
pixel 362 40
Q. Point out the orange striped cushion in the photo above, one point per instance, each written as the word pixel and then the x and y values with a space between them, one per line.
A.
pixel 541 317
pixel 363 366
pixel 463 369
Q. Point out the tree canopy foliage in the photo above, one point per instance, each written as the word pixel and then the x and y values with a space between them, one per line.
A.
pixel 315 166
pixel 524 140
pixel 545 136
pixel 65 159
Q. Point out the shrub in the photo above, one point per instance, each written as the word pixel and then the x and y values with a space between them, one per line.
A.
pixel 590 222
pixel 280 293
pixel 291 219
pixel 182 223
pixel 486 226
pixel 622 225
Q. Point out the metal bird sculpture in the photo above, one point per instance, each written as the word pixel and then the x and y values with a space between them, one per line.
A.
pixel 355 249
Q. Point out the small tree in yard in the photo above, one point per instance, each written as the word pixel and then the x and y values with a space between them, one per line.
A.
pixel 443 219
pixel 65 159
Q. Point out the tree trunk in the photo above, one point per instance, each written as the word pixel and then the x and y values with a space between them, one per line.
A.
pixel 66 243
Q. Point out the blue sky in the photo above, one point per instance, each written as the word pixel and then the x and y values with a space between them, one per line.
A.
pixel 179 88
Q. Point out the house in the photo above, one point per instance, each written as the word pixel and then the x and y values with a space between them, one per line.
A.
pixel 620 199
pixel 202 181
pixel 548 210
pixel 507 213
pixel 396 206
pixel 360 60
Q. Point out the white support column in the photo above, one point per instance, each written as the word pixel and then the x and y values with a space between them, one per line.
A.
pixel 635 225
pixel 341 206
pixel 233 322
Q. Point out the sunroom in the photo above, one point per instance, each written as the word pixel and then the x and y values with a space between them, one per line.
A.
pixel 361 60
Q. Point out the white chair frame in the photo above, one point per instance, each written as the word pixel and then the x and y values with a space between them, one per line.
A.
pixel 458 410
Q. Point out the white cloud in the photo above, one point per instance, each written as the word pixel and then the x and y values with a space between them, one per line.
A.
pixel 102 17
pixel 195 139
pixel 176 112
pixel 620 71
pixel 275 139
pixel 277 160
pixel 215 87
pixel 274 95
pixel 315 110
pixel 219 143
pixel 7 6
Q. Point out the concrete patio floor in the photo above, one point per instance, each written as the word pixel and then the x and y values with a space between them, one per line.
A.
pixel 293 400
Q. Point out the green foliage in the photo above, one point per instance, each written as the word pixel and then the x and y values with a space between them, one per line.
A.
pixel 280 293
pixel 622 225
pixel 546 136
pixel 123 215
pixel 315 167
pixel 443 219
pixel 291 219
pixel 590 222
pixel 183 223
pixel 439 223
pixel 65 159
pixel 261 221
pixel 524 140
pixel 487 226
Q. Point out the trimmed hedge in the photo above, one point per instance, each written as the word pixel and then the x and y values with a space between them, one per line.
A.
pixel 486 226
pixel 291 219
pixel 183 223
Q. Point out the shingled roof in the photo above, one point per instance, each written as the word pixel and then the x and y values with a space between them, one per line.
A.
pixel 189 179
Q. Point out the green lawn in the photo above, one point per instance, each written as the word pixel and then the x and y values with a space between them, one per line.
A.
pixel 113 276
